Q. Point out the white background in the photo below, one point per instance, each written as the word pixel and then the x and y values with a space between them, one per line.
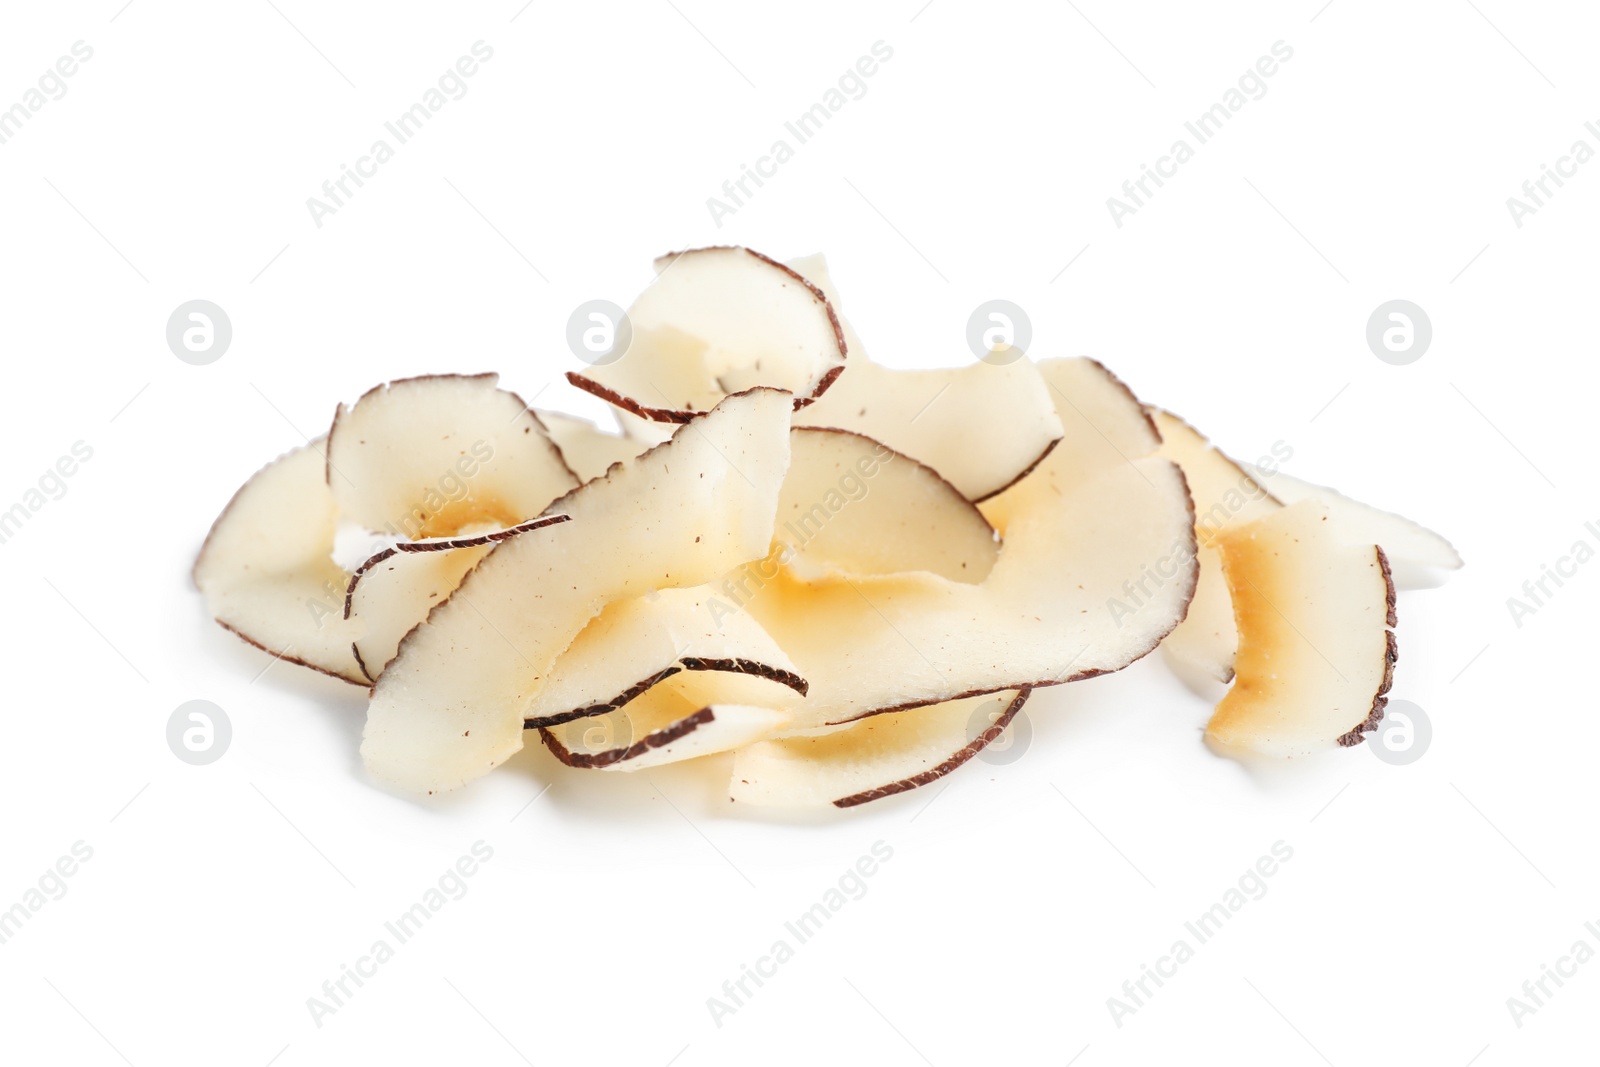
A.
pixel 977 165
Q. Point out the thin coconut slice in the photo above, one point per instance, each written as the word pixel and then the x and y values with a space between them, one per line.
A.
pixel 853 505
pixel 426 457
pixel 635 645
pixel 449 708
pixel 1226 497
pixel 266 569
pixel 874 758
pixel 589 450
pixel 1414 550
pixel 716 321
pixel 395 589
pixel 1316 646
pixel 1098 567
pixel 669 723
pixel 982 426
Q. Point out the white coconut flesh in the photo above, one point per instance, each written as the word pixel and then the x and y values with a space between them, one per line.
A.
pixel 267 572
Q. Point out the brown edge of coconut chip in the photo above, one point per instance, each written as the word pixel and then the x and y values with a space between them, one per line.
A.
pixel 1029 469
pixel 1144 409
pixel 438 544
pixel 443 544
pixel 296 660
pixel 355 650
pixel 665 736
pixel 1391 656
pixel 972 748
pixel 628 404
pixel 687 663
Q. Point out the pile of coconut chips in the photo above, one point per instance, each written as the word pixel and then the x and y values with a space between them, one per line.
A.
pixel 830 568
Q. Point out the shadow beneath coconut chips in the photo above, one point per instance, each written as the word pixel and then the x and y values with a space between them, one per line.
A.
pixel 692 790
pixel 1105 714
pixel 1410 577
pixel 1288 775
pixel 257 667
pixel 342 704
pixel 697 789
